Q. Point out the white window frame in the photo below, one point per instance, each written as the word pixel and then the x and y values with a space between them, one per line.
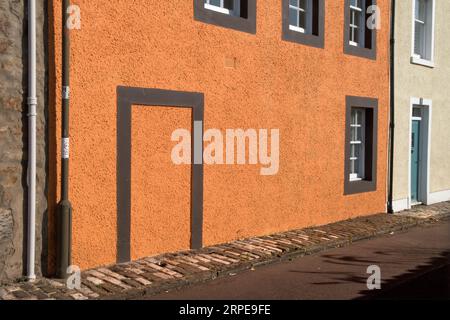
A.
pixel 360 175
pixel 362 28
pixel 428 60
pixel 308 10
pixel 221 9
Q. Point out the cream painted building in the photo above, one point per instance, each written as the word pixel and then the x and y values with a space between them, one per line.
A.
pixel 421 171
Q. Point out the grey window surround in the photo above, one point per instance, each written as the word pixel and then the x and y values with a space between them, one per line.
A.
pixel 302 38
pixel 359 51
pixel 370 183
pixel 247 25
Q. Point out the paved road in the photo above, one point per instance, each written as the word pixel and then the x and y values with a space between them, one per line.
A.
pixel 414 264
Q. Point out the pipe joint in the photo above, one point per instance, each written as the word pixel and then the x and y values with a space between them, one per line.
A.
pixel 32 101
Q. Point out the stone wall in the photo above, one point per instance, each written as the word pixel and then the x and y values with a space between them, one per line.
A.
pixel 13 136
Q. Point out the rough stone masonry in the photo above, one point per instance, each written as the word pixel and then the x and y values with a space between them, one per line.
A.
pixel 13 135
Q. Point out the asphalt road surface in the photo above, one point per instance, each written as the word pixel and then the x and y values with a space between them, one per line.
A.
pixel 414 265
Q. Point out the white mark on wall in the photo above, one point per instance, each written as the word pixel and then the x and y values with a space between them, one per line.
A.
pixel 74 20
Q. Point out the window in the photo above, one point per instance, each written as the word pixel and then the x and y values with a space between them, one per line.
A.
pixel 423 30
pixel 357 143
pixel 234 14
pixel 361 145
pixel 300 15
pixel 359 39
pixel 303 22
pixel 230 7
pixel 357 23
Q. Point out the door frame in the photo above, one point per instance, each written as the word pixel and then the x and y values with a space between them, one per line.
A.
pixel 424 149
pixel 149 97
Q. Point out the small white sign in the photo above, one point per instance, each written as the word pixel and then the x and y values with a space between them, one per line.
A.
pixel 65 148
pixel 66 93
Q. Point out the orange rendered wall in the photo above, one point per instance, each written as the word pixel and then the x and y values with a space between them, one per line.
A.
pixel 249 81
pixel 160 190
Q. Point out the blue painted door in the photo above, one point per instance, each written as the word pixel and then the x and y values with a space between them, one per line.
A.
pixel 415 160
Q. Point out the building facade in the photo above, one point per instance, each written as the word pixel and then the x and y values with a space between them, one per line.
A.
pixel 194 123
pixel 422 101
pixel 311 71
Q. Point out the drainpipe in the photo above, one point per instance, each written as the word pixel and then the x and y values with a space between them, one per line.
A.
pixel 392 111
pixel 32 103
pixel 64 212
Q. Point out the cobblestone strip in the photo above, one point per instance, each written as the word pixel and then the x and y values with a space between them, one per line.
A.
pixel 168 271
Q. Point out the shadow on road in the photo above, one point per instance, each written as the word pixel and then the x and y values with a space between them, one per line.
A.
pixel 430 281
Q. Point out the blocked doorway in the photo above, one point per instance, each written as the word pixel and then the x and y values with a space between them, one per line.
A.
pixel 159 205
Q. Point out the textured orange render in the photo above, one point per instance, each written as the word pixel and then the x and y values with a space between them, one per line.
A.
pixel 160 190
pixel 270 83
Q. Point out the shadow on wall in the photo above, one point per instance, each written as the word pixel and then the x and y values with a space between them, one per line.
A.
pixel 49 139
pixel 44 114
pixel 48 257
pixel 42 152
pixel 24 160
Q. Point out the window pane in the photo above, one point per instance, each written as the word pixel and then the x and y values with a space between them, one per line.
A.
pixel 419 39
pixel 421 10
pixel 228 4
pixel 353 167
pixel 293 17
pixel 417 112
pixel 356 18
pixel 417 9
pixel 356 134
pixel 355 160
pixel 354 35
pixel 355 151
pixel 214 2
pixel 357 143
pixel 303 4
pixel 352 151
pixel 356 116
pixel 357 168
pixel 360 116
pixel 355 25
pixel 301 16
pixel 302 20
